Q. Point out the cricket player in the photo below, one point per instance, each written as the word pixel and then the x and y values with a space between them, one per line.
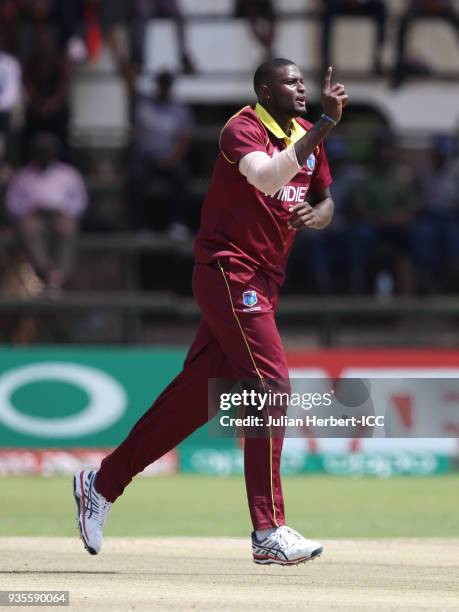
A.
pixel 271 179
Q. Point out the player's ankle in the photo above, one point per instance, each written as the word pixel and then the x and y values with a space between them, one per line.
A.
pixel 261 534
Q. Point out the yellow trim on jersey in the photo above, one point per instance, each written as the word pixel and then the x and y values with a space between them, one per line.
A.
pixel 220 137
pixel 296 130
pixel 261 379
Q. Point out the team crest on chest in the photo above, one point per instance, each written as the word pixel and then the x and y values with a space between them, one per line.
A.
pixel 249 298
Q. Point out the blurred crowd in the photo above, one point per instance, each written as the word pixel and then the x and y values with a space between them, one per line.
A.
pixel 377 11
pixel 261 15
pixel 397 224
pixel 396 227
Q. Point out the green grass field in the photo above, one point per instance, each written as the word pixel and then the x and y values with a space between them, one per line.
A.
pixel 185 505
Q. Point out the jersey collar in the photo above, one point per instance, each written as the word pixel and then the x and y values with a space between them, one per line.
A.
pixel 296 131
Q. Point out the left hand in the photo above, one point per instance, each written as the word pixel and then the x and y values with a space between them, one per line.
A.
pixel 303 216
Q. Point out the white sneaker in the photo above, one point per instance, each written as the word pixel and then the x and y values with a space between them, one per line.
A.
pixel 284 546
pixel 93 509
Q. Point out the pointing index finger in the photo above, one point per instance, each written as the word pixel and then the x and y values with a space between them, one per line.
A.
pixel 328 75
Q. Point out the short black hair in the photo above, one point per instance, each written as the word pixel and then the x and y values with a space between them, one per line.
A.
pixel 265 71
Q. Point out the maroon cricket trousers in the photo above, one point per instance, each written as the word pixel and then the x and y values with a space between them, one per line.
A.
pixel 232 342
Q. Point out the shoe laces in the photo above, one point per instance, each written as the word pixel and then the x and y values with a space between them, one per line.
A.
pixel 286 536
pixel 97 506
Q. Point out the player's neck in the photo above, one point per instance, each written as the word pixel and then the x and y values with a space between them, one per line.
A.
pixel 284 122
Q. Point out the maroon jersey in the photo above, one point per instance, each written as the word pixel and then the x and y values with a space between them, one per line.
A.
pixel 238 220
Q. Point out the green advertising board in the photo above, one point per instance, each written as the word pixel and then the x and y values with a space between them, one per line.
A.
pixel 224 462
pixel 78 398
pixel 90 398
pixel 83 398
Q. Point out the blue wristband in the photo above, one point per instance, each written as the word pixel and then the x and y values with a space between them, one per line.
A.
pixel 329 119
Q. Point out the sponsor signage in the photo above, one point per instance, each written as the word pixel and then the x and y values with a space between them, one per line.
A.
pixel 225 462
pixel 60 400
pixel 53 462
pixel 67 398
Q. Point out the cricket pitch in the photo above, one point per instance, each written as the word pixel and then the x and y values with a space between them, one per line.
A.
pixel 218 574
